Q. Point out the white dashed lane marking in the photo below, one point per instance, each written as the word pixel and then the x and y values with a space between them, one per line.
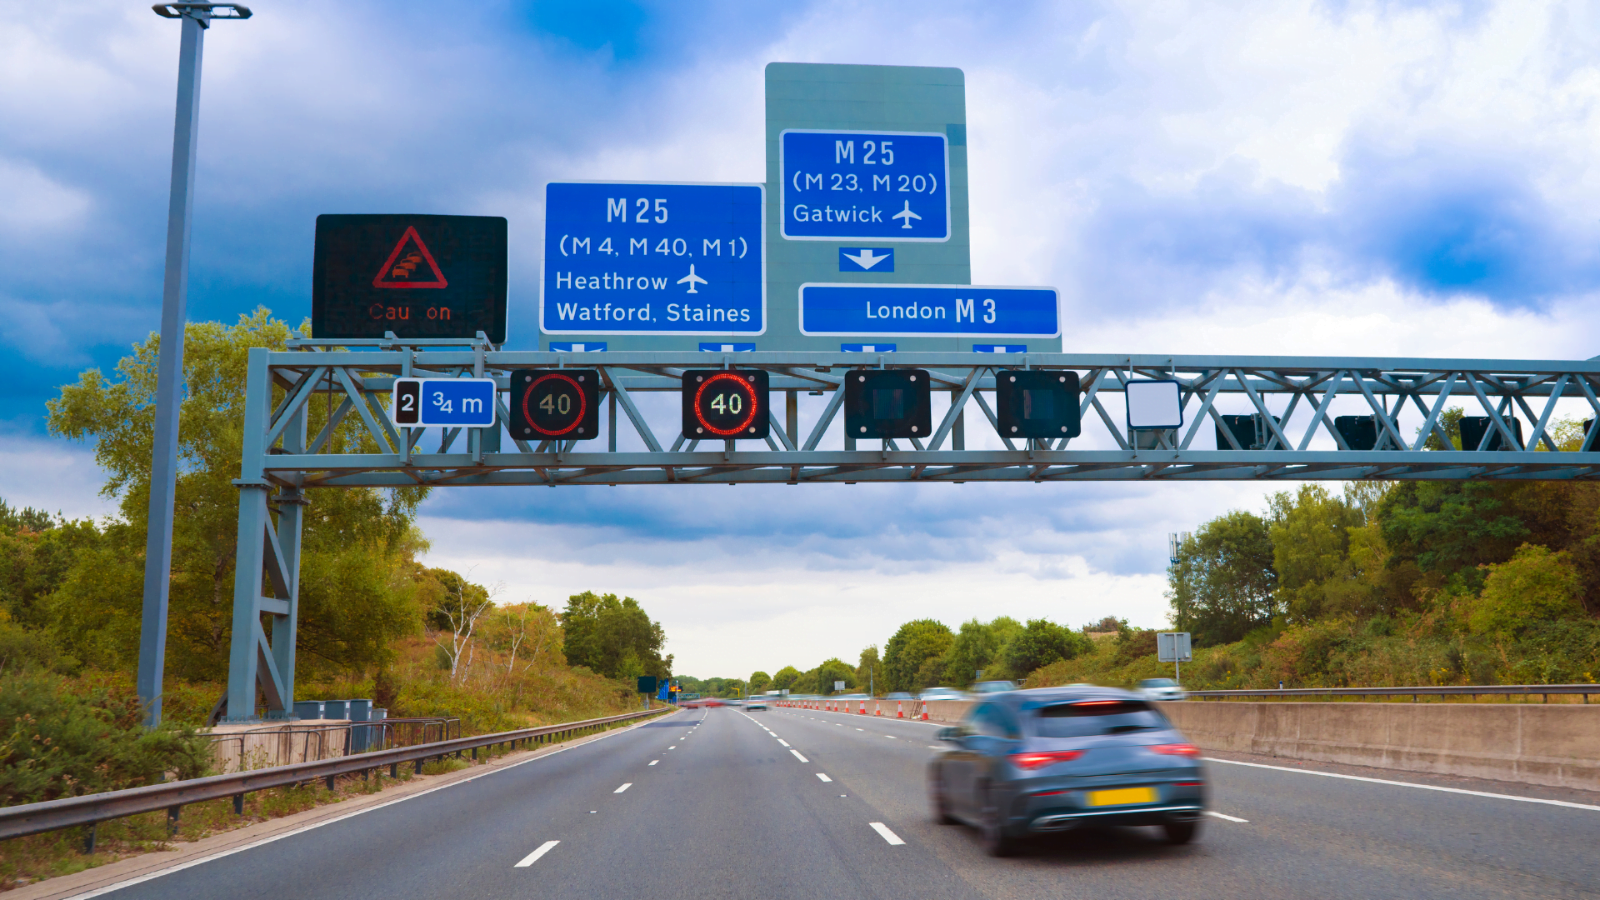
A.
pixel 884 832
pixel 824 778
pixel 1228 818
pixel 533 857
pixel 798 756
pixel 654 761
pixel 623 788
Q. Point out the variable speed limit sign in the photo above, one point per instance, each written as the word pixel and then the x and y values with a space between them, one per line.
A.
pixel 555 404
pixel 725 403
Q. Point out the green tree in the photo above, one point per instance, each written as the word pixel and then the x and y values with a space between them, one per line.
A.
pixel 1310 543
pixel 832 670
pixel 1529 591
pixel 907 654
pixel 980 647
pixel 760 682
pixel 869 670
pixel 1042 642
pixel 1448 527
pixel 785 679
pixel 1223 584
pixel 357 544
pixel 614 637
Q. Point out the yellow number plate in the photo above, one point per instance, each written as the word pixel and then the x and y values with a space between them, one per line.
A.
pixel 1122 797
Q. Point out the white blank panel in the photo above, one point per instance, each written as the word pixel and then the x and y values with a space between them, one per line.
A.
pixel 1154 404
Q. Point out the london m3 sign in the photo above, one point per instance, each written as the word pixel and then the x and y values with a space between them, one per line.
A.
pixel 663 259
pixel 419 276
pixel 920 310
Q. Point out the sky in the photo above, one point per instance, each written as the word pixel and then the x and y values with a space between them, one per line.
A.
pixel 1314 178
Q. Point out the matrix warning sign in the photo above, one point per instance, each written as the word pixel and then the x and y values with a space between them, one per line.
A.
pixel 418 276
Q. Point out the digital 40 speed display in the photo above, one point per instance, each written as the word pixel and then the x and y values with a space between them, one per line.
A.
pixel 725 403
pixel 555 404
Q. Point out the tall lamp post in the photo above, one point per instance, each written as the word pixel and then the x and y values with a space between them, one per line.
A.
pixel 196 18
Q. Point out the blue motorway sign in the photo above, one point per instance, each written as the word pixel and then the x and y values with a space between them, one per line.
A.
pixel 854 185
pixel 625 258
pixel 447 402
pixel 928 310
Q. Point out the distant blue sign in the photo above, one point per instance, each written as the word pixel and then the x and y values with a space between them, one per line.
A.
pixel 918 310
pixel 866 348
pixel 850 185
pixel 570 347
pixel 446 402
pixel 866 259
pixel 654 259
pixel 714 347
pixel 999 348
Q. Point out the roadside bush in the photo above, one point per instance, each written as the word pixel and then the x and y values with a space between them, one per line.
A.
pixel 56 743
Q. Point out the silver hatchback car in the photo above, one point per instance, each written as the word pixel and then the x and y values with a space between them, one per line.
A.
pixel 1047 760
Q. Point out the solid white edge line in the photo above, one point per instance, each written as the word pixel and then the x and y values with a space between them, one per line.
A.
pixel 624 787
pixel 798 756
pixel 1226 817
pixel 533 857
pixel 350 815
pixel 884 832
pixel 1409 784
pixel 825 778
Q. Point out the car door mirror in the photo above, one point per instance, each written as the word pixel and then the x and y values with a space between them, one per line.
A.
pixel 949 734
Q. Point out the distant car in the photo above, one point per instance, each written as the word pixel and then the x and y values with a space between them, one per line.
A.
pixel 1161 689
pixel 941 693
pixel 993 687
pixel 1051 759
pixel 898 695
pixel 756 703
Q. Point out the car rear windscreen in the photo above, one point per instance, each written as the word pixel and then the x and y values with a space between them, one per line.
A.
pixel 1094 717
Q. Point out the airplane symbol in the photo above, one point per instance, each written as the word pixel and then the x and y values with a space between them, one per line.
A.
pixel 866 259
pixel 906 214
pixel 692 279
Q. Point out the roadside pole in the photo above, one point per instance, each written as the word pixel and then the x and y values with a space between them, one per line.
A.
pixel 196 18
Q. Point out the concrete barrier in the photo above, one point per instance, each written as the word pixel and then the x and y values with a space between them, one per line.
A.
pixel 237 748
pixel 1557 745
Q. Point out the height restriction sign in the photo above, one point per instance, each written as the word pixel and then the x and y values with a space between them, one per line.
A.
pixel 417 276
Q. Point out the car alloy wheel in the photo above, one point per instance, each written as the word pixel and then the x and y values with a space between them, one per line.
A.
pixel 995 837
pixel 941 802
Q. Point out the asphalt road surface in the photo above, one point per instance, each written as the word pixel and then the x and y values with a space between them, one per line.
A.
pixel 798 803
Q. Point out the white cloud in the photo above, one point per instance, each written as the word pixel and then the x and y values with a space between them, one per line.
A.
pixel 32 204
pixel 55 476
pixel 732 606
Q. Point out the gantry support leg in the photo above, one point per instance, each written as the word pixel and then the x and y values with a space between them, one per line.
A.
pixel 267 567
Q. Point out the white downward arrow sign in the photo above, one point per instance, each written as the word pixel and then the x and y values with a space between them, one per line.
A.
pixel 865 259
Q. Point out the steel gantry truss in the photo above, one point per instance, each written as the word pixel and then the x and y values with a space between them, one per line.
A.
pixel 1294 401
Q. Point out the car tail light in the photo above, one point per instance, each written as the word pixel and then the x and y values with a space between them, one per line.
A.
pixel 1189 750
pixel 1044 758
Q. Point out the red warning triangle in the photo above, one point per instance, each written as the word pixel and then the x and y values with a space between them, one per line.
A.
pixel 400 269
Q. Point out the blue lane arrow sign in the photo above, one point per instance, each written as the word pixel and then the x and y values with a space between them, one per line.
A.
pixel 914 310
pixel 866 259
